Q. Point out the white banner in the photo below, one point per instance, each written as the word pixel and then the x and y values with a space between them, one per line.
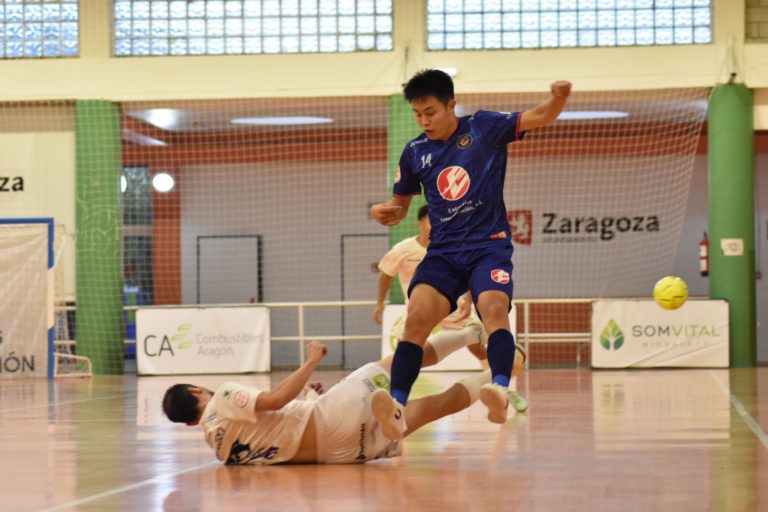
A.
pixel 640 334
pixel 461 360
pixel 26 299
pixel 202 340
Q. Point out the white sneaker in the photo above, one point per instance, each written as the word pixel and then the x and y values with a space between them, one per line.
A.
pixel 389 414
pixel 518 402
pixel 496 400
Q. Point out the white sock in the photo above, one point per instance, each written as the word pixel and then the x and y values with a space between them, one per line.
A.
pixel 448 341
pixel 474 382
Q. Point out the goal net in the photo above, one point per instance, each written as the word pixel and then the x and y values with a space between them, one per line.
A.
pixel 26 298
pixel 266 200
pixel 67 363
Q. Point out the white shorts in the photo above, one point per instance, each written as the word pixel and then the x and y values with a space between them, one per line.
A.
pixel 347 432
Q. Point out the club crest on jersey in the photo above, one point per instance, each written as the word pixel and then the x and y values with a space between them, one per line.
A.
pixel 241 399
pixel 397 175
pixel 453 183
pixel 464 141
pixel 500 276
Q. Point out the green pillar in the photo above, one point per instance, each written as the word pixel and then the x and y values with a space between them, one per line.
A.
pixel 99 328
pixel 401 128
pixel 732 214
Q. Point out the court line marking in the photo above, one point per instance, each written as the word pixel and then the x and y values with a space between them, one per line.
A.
pixel 53 404
pixel 748 419
pixel 126 488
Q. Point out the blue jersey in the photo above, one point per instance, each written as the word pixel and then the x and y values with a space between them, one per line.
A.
pixel 463 181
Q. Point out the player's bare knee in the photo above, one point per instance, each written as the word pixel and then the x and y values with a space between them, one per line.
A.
pixel 418 325
pixel 495 317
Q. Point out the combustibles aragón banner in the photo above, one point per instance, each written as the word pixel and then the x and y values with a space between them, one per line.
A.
pixel 202 340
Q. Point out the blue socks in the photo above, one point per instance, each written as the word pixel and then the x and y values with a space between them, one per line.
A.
pixel 405 368
pixel 501 356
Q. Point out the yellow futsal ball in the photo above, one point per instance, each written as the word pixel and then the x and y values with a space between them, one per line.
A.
pixel 670 292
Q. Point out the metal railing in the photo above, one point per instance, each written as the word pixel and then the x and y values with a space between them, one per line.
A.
pixel 524 334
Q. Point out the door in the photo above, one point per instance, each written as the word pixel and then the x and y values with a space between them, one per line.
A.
pixel 229 269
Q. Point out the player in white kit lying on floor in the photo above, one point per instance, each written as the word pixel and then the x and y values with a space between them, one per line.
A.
pixel 246 425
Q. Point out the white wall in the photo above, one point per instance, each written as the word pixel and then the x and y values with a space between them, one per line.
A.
pixel 46 161
pixel 300 210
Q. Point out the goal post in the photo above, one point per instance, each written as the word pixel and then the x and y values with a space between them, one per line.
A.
pixel 30 271
pixel 26 298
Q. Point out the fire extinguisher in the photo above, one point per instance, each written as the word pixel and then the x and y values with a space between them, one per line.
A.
pixel 704 255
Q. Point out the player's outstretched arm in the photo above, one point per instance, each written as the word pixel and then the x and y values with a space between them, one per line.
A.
pixel 391 212
pixel 292 385
pixel 384 282
pixel 546 113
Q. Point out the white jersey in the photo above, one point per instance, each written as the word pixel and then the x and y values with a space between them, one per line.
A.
pixel 347 432
pixel 402 260
pixel 239 435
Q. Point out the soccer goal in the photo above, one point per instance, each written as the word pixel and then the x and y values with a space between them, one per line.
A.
pixel 27 318
pixel 66 362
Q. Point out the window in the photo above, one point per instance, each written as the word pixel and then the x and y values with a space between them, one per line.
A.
pixel 38 28
pixel 236 27
pixel 504 24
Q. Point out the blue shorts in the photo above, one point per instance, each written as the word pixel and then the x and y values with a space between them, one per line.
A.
pixel 476 270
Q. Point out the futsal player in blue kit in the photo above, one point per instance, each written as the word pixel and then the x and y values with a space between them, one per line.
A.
pixel 460 164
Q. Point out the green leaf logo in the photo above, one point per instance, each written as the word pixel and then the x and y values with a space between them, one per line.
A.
pixel 611 336
pixel 380 381
pixel 181 333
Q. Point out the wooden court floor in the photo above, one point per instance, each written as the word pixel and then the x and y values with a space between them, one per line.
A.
pixel 655 440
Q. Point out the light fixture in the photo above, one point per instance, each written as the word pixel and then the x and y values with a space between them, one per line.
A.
pixel 584 115
pixel 140 139
pixel 281 121
pixel 164 118
pixel 123 184
pixel 163 182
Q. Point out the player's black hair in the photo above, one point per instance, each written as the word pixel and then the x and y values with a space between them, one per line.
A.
pixel 423 211
pixel 179 404
pixel 429 82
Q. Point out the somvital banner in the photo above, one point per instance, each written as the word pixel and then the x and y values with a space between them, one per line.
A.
pixel 640 334
pixel 202 340
pixel 461 360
